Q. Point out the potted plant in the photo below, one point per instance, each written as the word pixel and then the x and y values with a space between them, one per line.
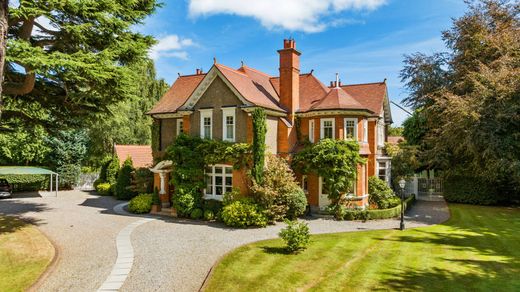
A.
pixel 156 201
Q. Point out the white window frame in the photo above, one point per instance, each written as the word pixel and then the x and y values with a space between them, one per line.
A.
pixel 322 131
pixel 365 130
pixel 380 133
pixel 180 125
pixel 206 113
pixel 228 112
pixel 355 134
pixel 388 169
pixel 213 195
pixel 311 131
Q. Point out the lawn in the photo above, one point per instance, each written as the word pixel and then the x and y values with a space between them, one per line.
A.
pixel 25 253
pixel 478 249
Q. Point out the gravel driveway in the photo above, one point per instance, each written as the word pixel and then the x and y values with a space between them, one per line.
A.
pixel 83 228
pixel 176 255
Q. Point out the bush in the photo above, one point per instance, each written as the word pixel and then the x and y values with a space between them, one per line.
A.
pixel 112 170
pixel 103 189
pixel 466 190
pixel 140 204
pixel 212 205
pixel 124 180
pixel 380 194
pixel 342 213
pixel 242 213
pixel 196 214
pixel 209 215
pixel 391 212
pixel 279 192
pixel 27 183
pixel 296 236
pixel 68 176
pixel 184 201
pixel 142 181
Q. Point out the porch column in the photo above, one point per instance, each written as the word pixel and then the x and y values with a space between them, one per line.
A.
pixel 162 176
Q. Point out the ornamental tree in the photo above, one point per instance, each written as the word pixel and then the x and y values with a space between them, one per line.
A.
pixel 335 161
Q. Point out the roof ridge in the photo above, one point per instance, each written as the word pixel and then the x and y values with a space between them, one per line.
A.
pixel 192 75
pixel 356 84
pixel 231 69
pixel 256 70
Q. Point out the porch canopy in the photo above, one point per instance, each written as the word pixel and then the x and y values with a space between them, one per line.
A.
pixel 31 170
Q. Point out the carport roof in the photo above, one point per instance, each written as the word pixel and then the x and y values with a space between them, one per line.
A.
pixel 24 170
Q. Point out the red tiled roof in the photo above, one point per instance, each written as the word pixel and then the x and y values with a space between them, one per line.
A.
pixel 141 154
pixel 395 139
pixel 181 89
pixel 370 95
pixel 311 90
pixel 336 99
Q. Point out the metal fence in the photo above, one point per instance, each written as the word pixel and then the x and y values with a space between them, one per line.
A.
pixel 86 181
pixel 429 189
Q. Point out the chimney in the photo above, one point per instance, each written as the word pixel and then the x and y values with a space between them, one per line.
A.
pixel 290 77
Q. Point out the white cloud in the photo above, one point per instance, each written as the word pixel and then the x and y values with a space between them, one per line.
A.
pixel 294 15
pixel 171 46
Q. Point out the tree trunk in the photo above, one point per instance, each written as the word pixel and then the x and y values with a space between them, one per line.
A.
pixel 4 6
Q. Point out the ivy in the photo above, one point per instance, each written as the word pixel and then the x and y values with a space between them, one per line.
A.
pixel 156 135
pixel 334 160
pixel 259 131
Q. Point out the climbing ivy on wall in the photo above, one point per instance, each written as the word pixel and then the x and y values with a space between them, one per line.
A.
pixel 259 131
pixel 156 137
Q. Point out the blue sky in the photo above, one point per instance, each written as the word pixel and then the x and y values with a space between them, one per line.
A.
pixel 362 40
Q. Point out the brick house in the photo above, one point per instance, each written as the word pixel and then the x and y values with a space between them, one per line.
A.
pixel 217 105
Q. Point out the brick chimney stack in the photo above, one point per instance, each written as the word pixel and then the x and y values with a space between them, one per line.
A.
pixel 290 77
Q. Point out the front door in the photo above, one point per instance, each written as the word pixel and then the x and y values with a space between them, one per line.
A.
pixel 324 200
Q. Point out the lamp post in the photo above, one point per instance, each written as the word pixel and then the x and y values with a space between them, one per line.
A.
pixel 402 184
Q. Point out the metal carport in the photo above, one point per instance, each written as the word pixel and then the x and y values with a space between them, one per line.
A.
pixel 31 170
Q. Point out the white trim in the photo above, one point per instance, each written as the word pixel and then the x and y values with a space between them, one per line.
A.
pixel 228 112
pixel 355 134
pixel 365 130
pixel 178 114
pixel 206 113
pixel 311 130
pixel 364 113
pixel 179 126
pixel 213 175
pixel 322 132
pixel 380 133
pixel 268 112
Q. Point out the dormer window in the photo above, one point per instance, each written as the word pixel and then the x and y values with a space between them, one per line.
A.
pixel 350 129
pixel 206 123
pixel 327 129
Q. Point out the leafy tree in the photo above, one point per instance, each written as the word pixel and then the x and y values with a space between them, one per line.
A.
pixel 70 58
pixel 24 146
pixel 415 128
pixel 335 161
pixel 472 111
pixel 395 131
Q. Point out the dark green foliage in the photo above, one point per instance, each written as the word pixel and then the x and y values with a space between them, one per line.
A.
pixel 140 204
pixel 243 213
pixel 197 214
pixel 381 195
pixel 395 131
pixel 68 175
pixel 392 212
pixel 279 192
pixel 334 160
pixel 142 181
pixel 156 136
pixel 124 181
pixel 415 128
pixel 259 131
pixel 155 197
pixel 25 183
pixel 212 205
pixel 349 214
pixel 467 190
pixel 209 215
pixel 405 162
pixel 103 170
pixel 103 189
pixel 112 170
pixel 296 236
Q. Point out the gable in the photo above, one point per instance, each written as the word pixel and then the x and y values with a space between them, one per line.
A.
pixel 217 94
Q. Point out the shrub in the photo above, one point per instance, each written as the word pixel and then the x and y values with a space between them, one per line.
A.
pixel 209 215
pixel 97 182
pixel 140 204
pixel 212 205
pixel 69 175
pixel 184 201
pixel 296 236
pixel 279 192
pixel 242 213
pixel 23 183
pixel 467 190
pixel 124 179
pixel 142 181
pixel 112 170
pixel 381 195
pixel 196 214
pixel 391 212
pixel 342 213
pixel 103 189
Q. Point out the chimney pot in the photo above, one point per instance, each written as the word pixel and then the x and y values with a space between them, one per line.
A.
pixel 332 84
pixel 339 83
pixel 289 44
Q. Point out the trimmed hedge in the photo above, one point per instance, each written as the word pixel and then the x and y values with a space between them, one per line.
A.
pixel 140 204
pixel 103 189
pixel 392 212
pixel 27 183
pixel 469 190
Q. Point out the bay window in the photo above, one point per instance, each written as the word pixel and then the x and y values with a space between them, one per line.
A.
pixel 350 129
pixel 327 128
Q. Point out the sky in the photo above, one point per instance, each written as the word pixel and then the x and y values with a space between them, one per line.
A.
pixel 362 40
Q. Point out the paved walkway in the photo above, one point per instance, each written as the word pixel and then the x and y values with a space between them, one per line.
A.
pixel 176 255
pixel 161 255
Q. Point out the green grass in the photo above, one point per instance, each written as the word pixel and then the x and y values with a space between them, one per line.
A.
pixel 25 253
pixel 478 249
